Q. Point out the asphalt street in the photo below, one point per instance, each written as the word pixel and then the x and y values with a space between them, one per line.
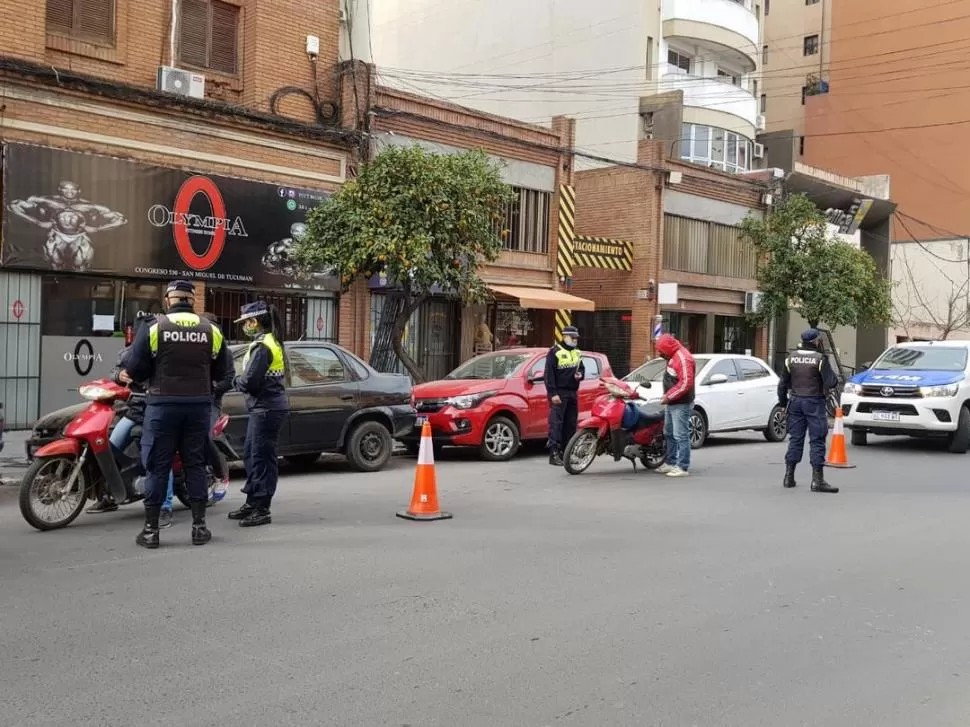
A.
pixel 609 598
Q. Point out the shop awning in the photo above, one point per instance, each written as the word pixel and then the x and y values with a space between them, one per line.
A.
pixel 543 298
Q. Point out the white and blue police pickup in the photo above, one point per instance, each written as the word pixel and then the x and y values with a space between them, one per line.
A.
pixel 919 389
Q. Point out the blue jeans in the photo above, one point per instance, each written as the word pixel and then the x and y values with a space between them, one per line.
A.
pixel 677 434
pixel 121 434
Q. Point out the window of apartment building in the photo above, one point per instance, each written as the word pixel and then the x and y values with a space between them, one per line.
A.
pixel 810 45
pixel 526 218
pixel 801 146
pixel 678 62
pixel 209 35
pixel 804 94
pixel 811 2
pixel 767 7
pixel 89 20
pixel 725 76
pixel 709 248
pixel 764 102
pixel 764 55
pixel 716 148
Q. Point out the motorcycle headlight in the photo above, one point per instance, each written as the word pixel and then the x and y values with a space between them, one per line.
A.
pixel 851 388
pixel 95 392
pixel 939 391
pixel 468 401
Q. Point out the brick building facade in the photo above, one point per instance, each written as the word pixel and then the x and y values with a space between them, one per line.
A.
pixel 682 221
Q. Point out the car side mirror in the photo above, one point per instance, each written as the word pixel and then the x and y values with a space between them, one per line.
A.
pixel 646 385
pixel 717 379
pixel 865 366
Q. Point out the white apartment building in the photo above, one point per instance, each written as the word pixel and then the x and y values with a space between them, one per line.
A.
pixel 596 61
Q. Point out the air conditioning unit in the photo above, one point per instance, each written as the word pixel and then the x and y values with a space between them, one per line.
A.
pixel 181 83
pixel 752 301
pixel 759 122
pixel 758 151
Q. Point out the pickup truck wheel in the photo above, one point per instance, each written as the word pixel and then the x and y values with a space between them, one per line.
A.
pixel 960 439
pixel 859 438
pixel 369 447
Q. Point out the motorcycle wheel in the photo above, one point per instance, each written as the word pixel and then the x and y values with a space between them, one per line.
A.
pixel 654 456
pixel 580 451
pixel 43 476
pixel 181 492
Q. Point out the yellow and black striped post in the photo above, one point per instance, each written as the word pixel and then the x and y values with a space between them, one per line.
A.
pixel 564 262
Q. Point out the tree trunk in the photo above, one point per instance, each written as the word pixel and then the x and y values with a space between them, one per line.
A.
pixel 397 338
pixel 813 324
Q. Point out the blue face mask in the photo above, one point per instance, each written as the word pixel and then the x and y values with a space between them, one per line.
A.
pixel 568 343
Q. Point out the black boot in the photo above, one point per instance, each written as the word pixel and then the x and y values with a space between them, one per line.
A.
pixel 245 511
pixel 200 533
pixel 102 505
pixel 789 480
pixel 819 484
pixel 259 516
pixel 555 458
pixel 148 537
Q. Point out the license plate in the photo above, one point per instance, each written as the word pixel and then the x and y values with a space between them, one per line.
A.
pixel 885 416
pixel 420 421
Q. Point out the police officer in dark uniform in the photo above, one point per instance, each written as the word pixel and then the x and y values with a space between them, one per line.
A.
pixel 809 377
pixel 564 372
pixel 264 383
pixel 181 355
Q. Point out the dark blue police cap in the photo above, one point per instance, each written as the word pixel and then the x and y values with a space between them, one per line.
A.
pixel 252 310
pixel 180 286
pixel 571 331
pixel 810 335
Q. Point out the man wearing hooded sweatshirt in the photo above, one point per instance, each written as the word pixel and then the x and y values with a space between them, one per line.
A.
pixel 678 397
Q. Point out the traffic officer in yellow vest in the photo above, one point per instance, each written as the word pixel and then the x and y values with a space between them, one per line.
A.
pixel 181 354
pixel 809 377
pixel 564 371
pixel 264 383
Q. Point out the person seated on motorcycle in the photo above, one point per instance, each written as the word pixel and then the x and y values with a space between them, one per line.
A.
pixel 134 415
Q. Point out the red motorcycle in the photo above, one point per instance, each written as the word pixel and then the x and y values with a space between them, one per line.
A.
pixel 82 465
pixel 619 426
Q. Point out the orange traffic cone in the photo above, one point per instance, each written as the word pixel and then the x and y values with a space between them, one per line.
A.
pixel 424 501
pixel 837 456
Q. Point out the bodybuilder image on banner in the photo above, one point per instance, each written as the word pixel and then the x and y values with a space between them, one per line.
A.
pixel 69 221
pixel 78 212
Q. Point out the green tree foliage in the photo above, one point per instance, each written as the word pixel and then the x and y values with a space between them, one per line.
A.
pixel 803 269
pixel 424 220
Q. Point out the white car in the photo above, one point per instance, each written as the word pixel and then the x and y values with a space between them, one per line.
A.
pixel 732 393
pixel 918 389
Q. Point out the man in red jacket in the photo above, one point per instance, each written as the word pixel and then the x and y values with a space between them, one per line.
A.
pixel 678 397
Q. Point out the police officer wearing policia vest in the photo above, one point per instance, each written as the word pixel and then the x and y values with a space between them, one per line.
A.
pixel 564 372
pixel 181 355
pixel 264 383
pixel 809 377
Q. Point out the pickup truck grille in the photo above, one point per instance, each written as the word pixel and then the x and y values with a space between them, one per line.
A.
pixel 898 392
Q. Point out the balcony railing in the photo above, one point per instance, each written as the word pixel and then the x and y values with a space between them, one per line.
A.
pixel 729 14
pixel 714 94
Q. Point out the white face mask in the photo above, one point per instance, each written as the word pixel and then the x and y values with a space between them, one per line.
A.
pixel 569 340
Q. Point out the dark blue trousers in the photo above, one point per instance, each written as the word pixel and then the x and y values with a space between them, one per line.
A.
pixel 562 421
pixel 260 455
pixel 171 428
pixel 807 414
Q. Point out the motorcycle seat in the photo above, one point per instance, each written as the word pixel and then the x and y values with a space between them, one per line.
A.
pixel 642 414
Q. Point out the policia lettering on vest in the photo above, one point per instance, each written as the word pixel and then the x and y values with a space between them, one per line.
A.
pixel 563 374
pixel 264 383
pixel 808 377
pixel 181 355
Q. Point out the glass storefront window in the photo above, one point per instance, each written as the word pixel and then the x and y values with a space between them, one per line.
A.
pixel 84 307
pixel 513 326
pixel 733 334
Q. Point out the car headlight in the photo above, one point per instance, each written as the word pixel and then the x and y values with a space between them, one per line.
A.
pixel 96 393
pixel 851 388
pixel 468 401
pixel 939 391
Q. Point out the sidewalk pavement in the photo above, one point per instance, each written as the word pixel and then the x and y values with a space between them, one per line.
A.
pixel 13 458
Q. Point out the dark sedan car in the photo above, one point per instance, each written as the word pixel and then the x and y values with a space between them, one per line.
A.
pixel 338 404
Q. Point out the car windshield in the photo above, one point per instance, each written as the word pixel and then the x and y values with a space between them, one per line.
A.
pixel 935 358
pixel 653 370
pixel 490 366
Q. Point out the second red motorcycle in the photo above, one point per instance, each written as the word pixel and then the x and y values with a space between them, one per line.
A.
pixel 620 424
